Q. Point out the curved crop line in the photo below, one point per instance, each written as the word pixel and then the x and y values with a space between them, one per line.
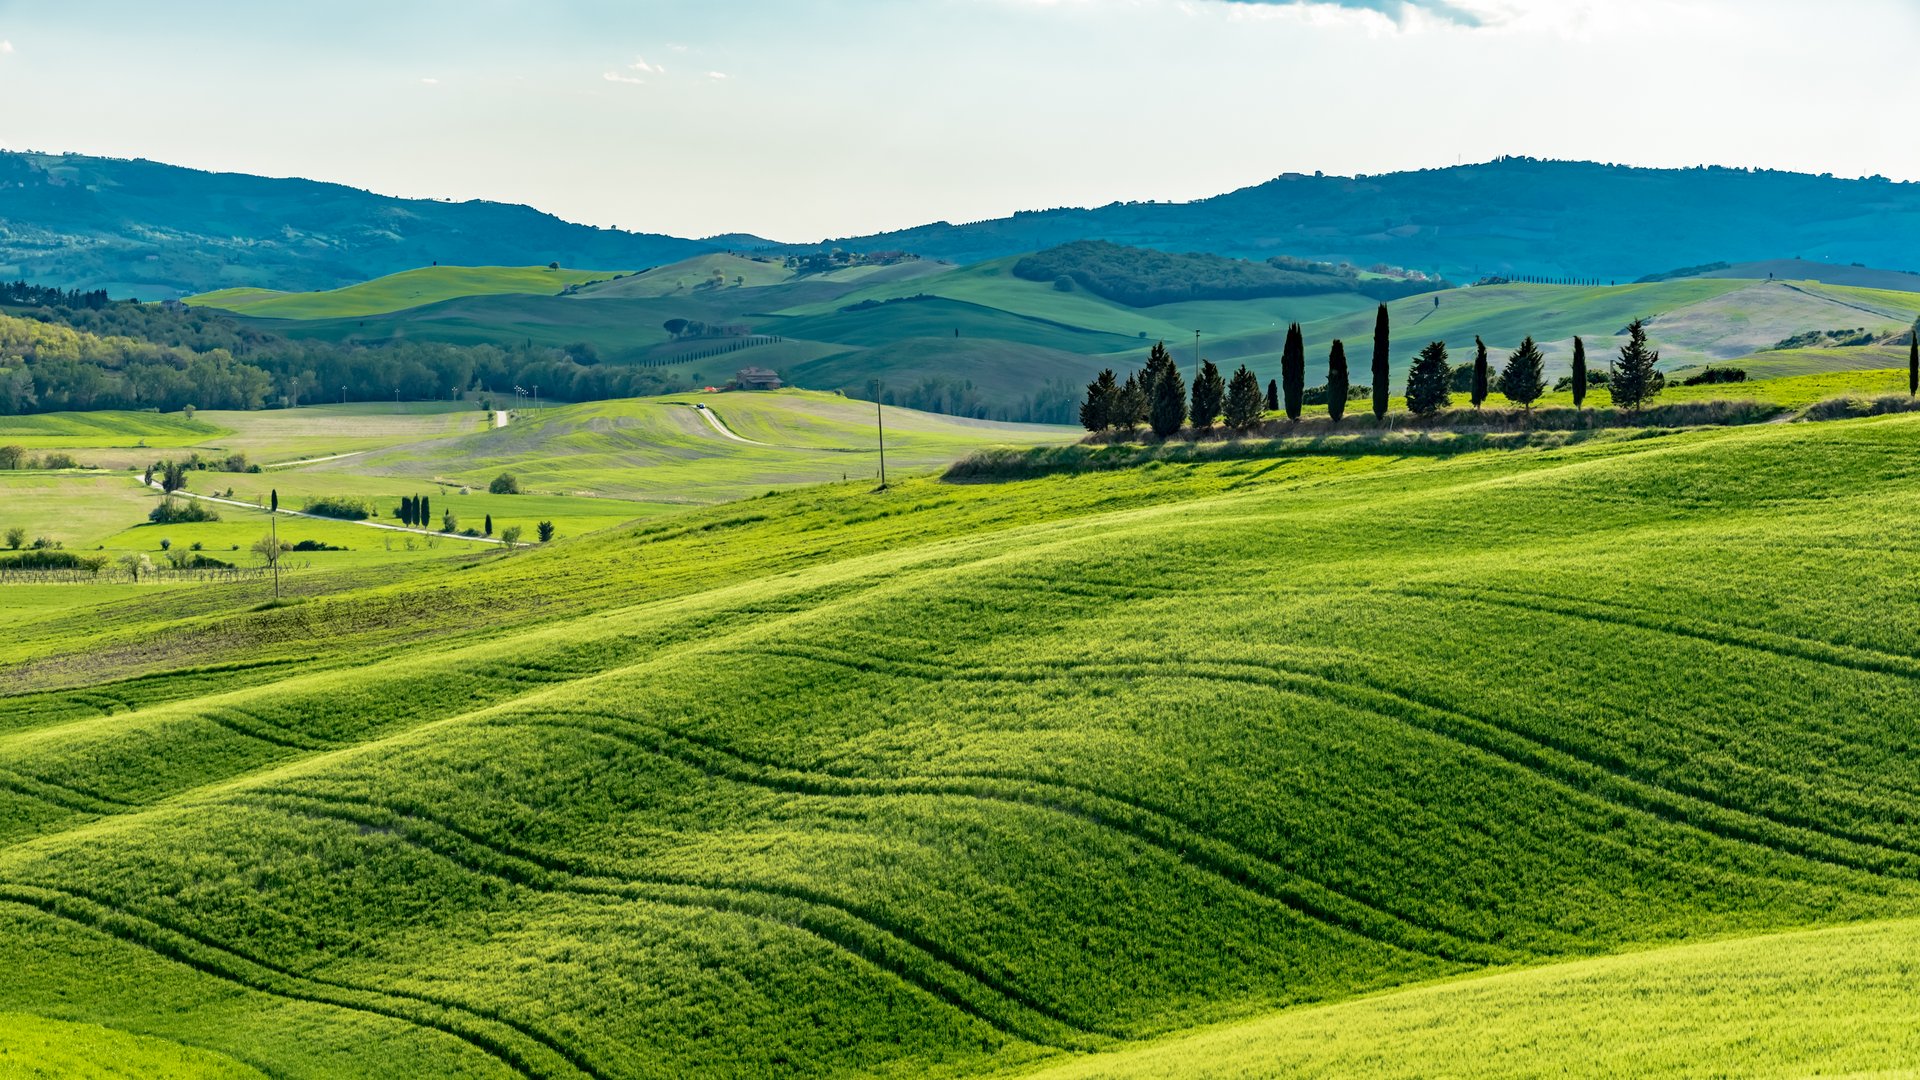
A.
pixel 1167 833
pixel 1534 753
pixel 1567 765
pixel 538 871
pixel 252 727
pixel 64 796
pixel 1773 643
pixel 228 965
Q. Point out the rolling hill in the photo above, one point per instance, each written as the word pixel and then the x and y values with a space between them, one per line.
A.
pixel 960 779
pixel 146 229
pixel 397 292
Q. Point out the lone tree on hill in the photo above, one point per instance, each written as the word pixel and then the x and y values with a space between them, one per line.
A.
pixel 1130 405
pixel 545 529
pixel 1273 396
pixel 1337 384
pixel 1096 413
pixel 1479 371
pixel 1293 371
pixel 1634 381
pixel 1382 359
pixel 1169 408
pixel 504 484
pixel 1524 377
pixel 1427 391
pixel 1209 395
pixel 1243 400
pixel 1579 373
pixel 489 527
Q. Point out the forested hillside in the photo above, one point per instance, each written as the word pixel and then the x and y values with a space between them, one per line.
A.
pixel 1513 216
pixel 145 229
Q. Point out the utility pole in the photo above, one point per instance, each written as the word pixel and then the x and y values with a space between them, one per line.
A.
pixel 880 424
pixel 343 395
pixel 536 397
pixel 273 533
pixel 396 401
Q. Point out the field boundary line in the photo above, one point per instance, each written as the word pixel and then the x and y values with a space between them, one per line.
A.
pixel 156 485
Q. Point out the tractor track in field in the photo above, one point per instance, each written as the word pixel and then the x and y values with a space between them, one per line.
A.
pixel 1167 833
pixel 545 873
pixel 1561 762
pixel 475 1027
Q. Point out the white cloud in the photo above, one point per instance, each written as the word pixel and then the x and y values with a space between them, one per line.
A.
pixel 716 74
pixel 429 81
pixel 6 46
pixel 614 76
pixel 640 64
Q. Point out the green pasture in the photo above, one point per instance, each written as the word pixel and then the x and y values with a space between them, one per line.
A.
pixel 715 273
pixel 1828 1002
pixel 659 452
pixel 106 429
pixel 956 779
pixel 36 1047
pixel 407 289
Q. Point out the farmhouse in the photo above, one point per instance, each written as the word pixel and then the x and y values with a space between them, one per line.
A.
pixel 756 378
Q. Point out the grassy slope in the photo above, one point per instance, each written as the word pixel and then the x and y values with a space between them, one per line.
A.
pixel 407 289
pixel 660 451
pixel 691 275
pixel 948 777
pixel 35 1047
pixel 84 430
pixel 1790 1005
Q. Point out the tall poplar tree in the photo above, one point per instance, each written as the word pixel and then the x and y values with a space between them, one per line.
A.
pixel 1480 370
pixel 1579 373
pixel 1273 396
pixel 1913 361
pixel 1337 384
pixel 1293 371
pixel 1382 359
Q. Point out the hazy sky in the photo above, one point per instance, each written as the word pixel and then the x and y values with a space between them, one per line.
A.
pixel 799 119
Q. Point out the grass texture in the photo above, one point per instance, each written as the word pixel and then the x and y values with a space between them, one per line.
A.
pixel 960 778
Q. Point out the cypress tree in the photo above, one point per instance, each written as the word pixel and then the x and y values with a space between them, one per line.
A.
pixel 1382 359
pixel 1169 407
pixel 1913 361
pixel 489 531
pixel 1427 391
pixel 1480 370
pixel 406 510
pixel 1243 400
pixel 1209 395
pixel 1634 380
pixel 1293 371
pixel 1273 396
pixel 1096 413
pixel 1130 405
pixel 1524 377
pixel 1159 362
pixel 1579 373
pixel 1337 381
pixel 426 513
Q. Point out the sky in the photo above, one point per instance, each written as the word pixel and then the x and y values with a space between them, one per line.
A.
pixel 807 119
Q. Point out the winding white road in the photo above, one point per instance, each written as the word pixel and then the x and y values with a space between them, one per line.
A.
pixel 155 484
pixel 714 420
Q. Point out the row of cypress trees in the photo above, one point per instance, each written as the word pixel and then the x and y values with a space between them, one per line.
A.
pixel 1157 397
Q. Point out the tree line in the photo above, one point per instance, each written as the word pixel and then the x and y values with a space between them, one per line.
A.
pixel 124 355
pixel 1156 396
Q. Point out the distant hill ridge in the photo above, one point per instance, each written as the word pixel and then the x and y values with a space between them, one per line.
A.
pixel 141 228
